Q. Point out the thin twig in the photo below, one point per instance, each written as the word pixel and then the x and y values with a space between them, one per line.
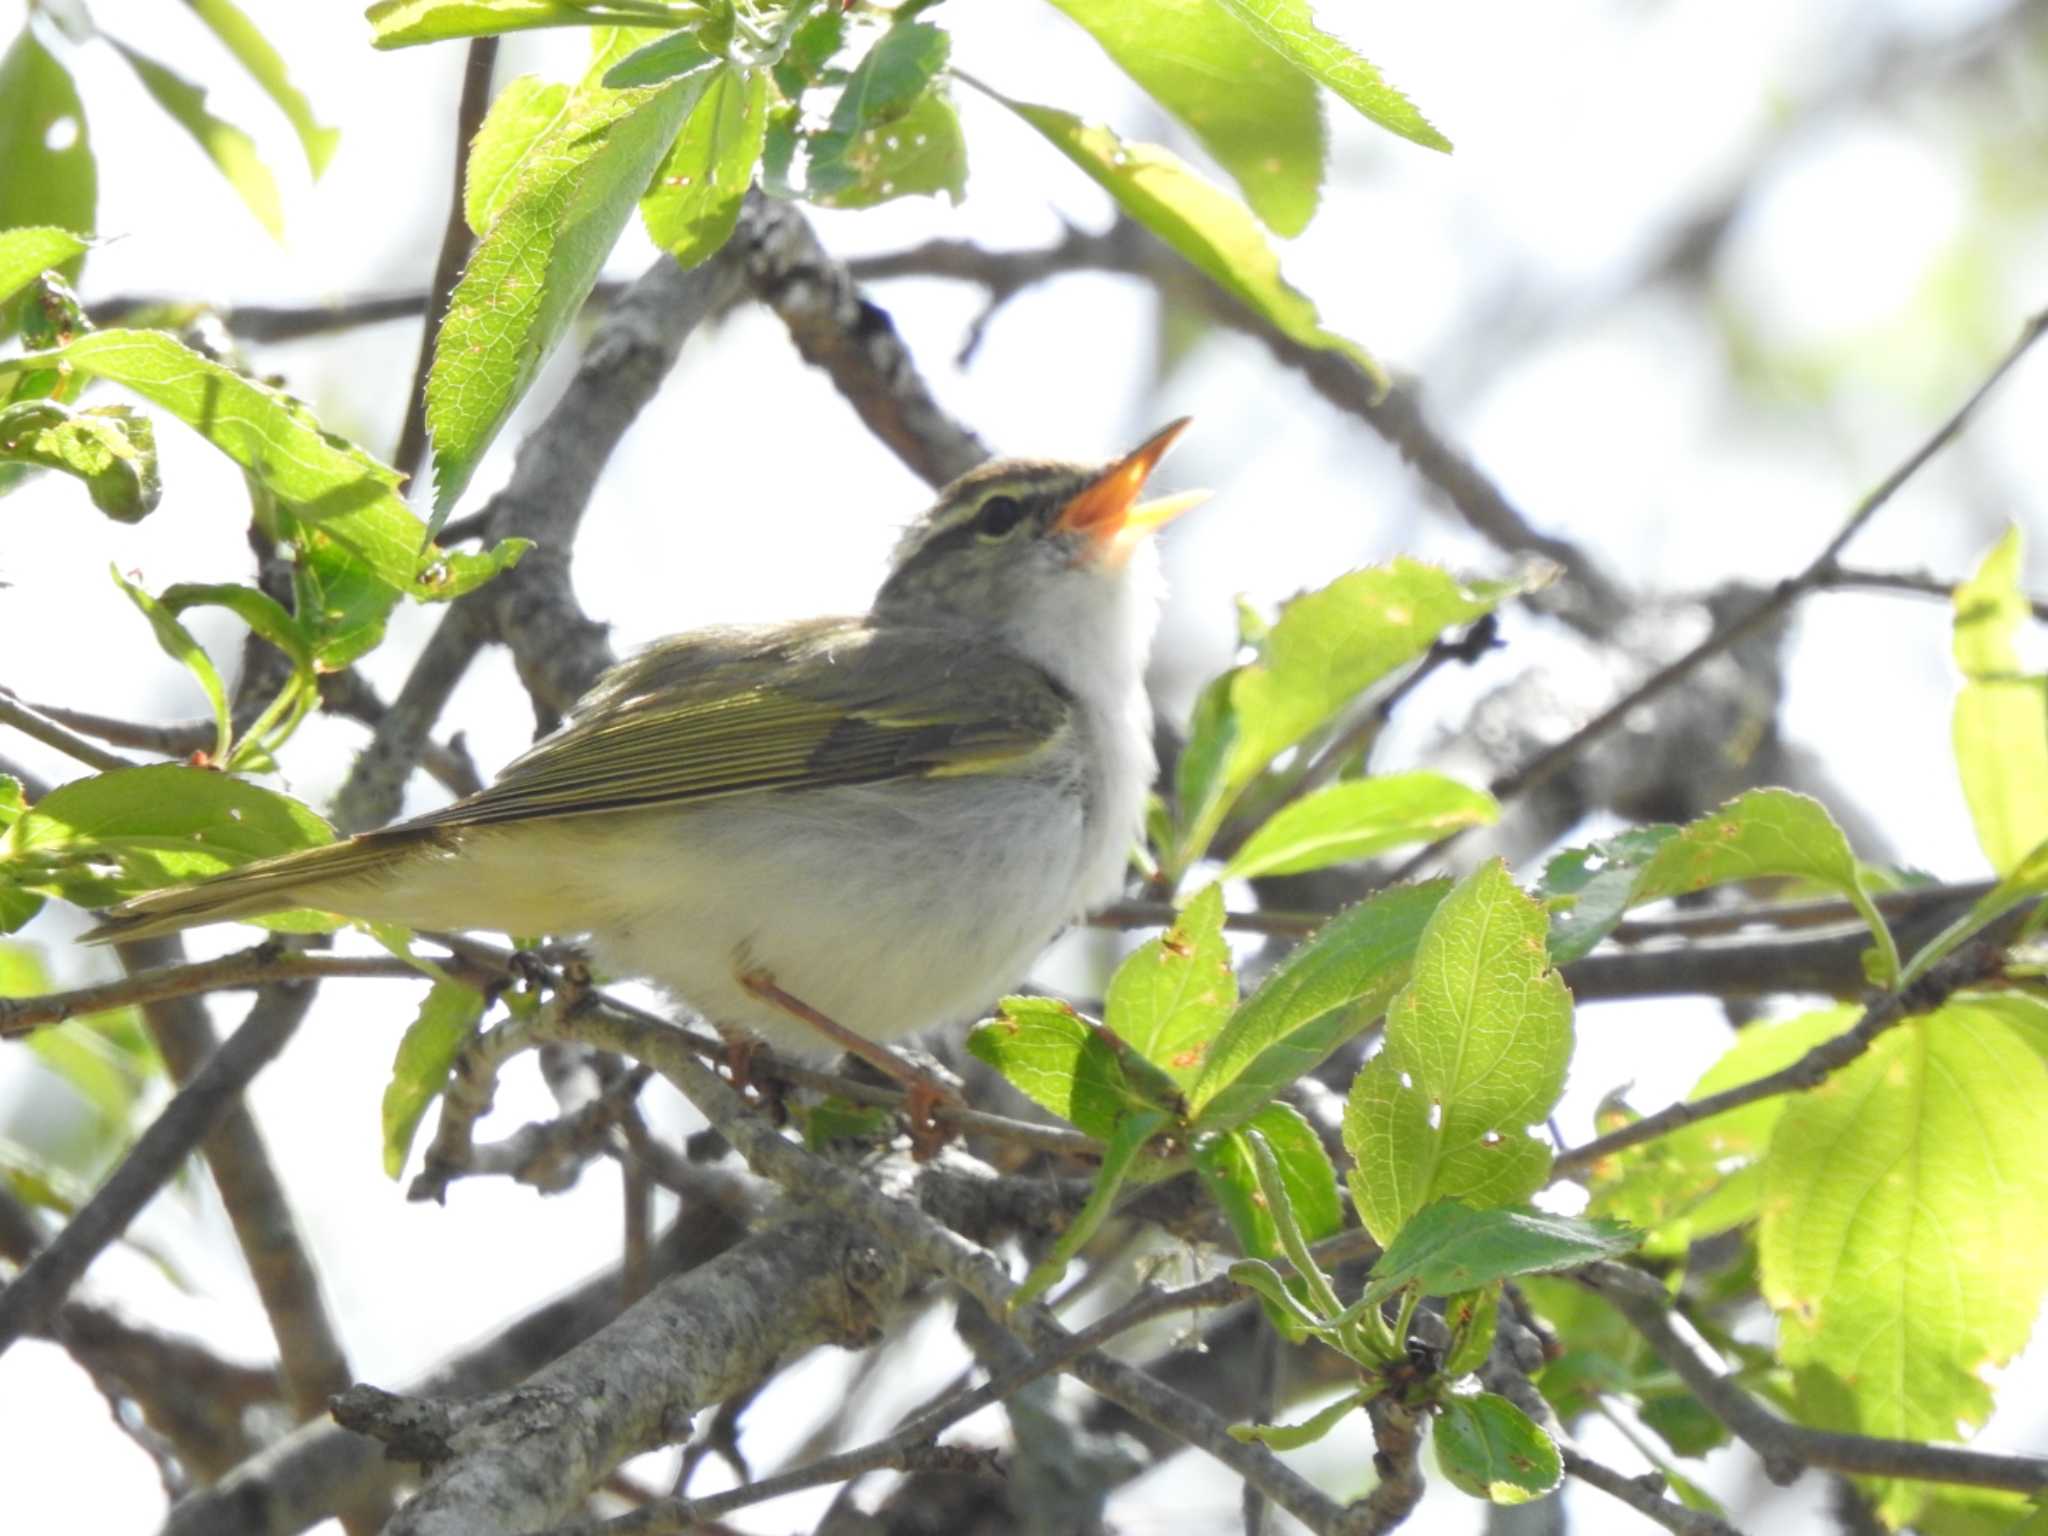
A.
pixel 1842 578
pixel 1787 1448
pixel 456 244
pixel 1644 1495
pixel 1970 964
pixel 27 721
pixel 1547 763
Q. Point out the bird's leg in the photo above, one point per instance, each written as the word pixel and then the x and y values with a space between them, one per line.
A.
pixel 924 1093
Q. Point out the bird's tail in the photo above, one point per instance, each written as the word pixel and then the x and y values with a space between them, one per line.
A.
pixel 311 877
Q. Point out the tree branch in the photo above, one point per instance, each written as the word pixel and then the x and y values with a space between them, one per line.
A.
pixel 1788 1448
pixel 27 721
pixel 854 341
pixel 197 1108
pixel 526 1457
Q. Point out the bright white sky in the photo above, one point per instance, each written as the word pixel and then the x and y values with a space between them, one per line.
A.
pixel 1584 129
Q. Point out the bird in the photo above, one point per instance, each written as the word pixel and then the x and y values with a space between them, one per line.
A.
pixel 825 833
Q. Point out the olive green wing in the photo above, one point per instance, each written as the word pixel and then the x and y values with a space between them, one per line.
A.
pixel 724 713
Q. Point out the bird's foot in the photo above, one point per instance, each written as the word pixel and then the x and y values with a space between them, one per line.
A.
pixel 924 1094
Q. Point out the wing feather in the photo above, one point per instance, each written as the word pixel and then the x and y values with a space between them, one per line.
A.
pixel 826 703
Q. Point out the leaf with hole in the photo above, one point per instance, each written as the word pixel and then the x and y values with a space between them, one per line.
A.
pixel 1475 1054
pixel 111 449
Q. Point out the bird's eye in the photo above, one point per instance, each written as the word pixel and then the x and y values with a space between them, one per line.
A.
pixel 998 517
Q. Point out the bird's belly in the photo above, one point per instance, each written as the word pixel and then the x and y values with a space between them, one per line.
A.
pixel 890 908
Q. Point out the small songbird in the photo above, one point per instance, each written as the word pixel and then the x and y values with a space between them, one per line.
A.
pixel 874 823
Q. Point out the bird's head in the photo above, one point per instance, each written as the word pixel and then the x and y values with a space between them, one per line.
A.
pixel 1050 557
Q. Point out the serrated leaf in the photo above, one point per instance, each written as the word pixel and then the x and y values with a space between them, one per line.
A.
pixel 1475 1054
pixel 531 272
pixel 1589 889
pixel 1766 833
pixel 1902 1240
pixel 232 151
pixel 176 642
pixel 339 599
pixel 1288 27
pixel 2001 714
pixel 1056 1058
pixel 110 448
pixel 1250 107
pixel 1355 820
pixel 1292 1437
pixel 266 67
pixel 1489 1448
pixel 1321 995
pixel 25 253
pixel 321 479
pixel 1448 1247
pixel 1172 994
pixel 1120 1154
pixel 51 177
pixel 447 1021
pixel 896 77
pixel 1310 1179
pixel 96 840
pixel 1326 648
pixel 521 115
pixel 1207 226
pixel 691 208
pixel 403 23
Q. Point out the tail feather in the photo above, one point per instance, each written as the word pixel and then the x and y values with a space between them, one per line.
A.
pixel 310 877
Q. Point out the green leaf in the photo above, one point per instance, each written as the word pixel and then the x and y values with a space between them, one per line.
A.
pixel 1171 994
pixel 447 1021
pixel 110 448
pixel 321 479
pixel 1489 1448
pixel 529 275
pixel 1589 889
pixel 1206 225
pixel 2001 717
pixel 836 1119
pixel 1287 27
pixel 96 840
pixel 1250 107
pixel 1056 1058
pixel 1766 833
pixel 339 599
pixel 2028 879
pixel 677 53
pixel 1306 1173
pixel 1342 822
pixel 1326 648
pixel 521 115
pixel 872 138
pixel 176 642
pixel 402 23
pixel 1292 1437
pixel 107 1057
pixel 1475 1054
pixel 266 67
pixel 920 154
pixel 1119 1154
pixel 1198 786
pixel 1474 1320
pixel 1448 1247
pixel 1706 1177
pixel 1902 1240
pixel 25 253
pixel 695 201
pixel 1322 994
pixel 232 151
pixel 50 177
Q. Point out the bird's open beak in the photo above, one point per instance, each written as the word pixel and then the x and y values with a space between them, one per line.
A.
pixel 1108 510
